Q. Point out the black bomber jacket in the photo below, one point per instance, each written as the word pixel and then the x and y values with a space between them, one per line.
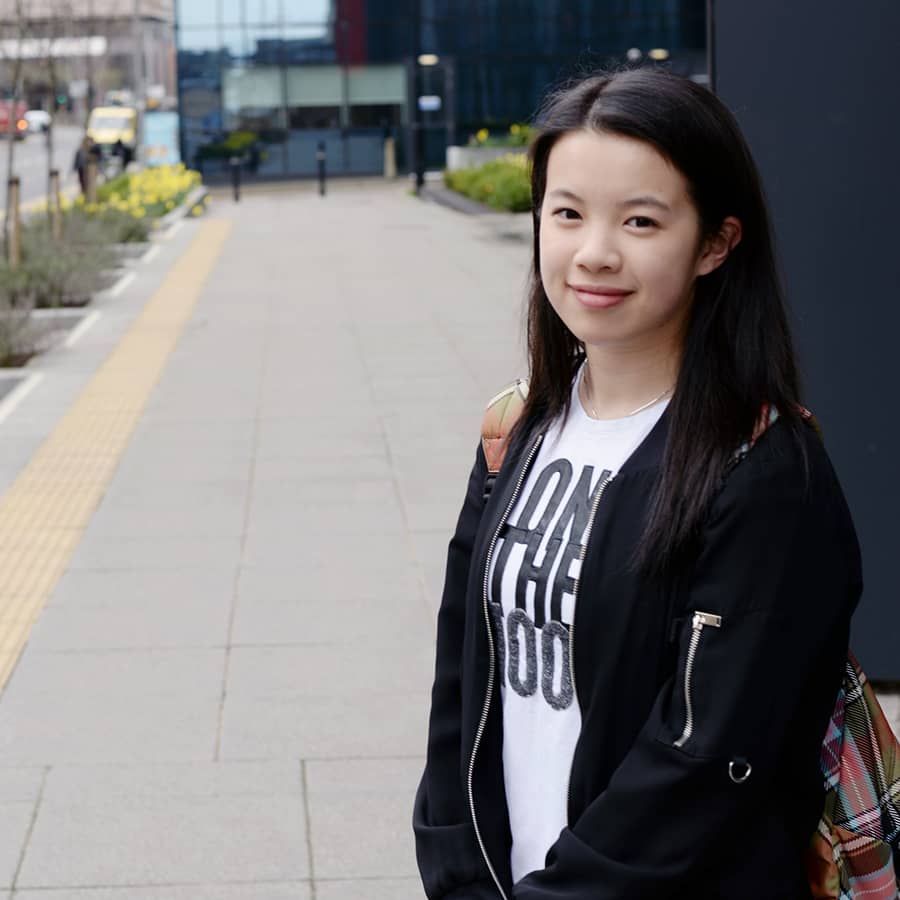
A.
pixel 704 698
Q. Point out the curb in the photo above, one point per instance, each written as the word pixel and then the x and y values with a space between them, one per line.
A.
pixel 506 225
pixel 195 195
pixel 454 200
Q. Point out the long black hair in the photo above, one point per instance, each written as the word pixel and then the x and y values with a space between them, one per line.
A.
pixel 738 353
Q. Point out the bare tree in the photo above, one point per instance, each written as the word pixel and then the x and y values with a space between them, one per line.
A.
pixel 18 30
pixel 59 18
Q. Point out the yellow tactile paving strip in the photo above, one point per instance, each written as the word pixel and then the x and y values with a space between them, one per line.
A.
pixel 45 511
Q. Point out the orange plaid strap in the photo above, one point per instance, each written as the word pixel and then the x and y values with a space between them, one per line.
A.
pixel 500 417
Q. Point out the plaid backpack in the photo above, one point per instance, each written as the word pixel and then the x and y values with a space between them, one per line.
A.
pixel 854 853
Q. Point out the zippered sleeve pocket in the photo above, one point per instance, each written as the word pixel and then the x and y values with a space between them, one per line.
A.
pixel 701 623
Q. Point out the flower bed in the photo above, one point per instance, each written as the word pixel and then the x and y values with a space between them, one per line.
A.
pixel 517 136
pixel 150 193
pixel 70 270
pixel 501 183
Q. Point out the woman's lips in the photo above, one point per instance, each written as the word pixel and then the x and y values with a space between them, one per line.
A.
pixel 599 298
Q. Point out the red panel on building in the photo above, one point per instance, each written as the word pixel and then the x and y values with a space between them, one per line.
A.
pixel 350 31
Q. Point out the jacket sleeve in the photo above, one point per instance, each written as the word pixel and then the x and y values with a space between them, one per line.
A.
pixel 779 563
pixel 447 851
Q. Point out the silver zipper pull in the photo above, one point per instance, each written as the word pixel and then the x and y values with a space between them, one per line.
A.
pixel 705 618
pixel 699 621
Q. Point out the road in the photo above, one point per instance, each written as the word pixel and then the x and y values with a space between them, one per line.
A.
pixel 30 160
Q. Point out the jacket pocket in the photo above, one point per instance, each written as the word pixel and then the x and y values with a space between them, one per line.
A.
pixel 700 622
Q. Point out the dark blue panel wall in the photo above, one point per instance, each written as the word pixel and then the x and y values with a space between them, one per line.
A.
pixel 815 86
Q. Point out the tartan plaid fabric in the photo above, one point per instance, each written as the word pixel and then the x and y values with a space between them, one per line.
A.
pixel 855 852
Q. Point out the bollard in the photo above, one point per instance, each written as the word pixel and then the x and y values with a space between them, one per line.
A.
pixel 235 163
pixel 55 206
pixel 90 183
pixel 390 158
pixel 320 161
pixel 14 234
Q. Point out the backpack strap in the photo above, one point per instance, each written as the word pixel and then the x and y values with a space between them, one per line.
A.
pixel 500 417
pixel 768 415
pixel 504 409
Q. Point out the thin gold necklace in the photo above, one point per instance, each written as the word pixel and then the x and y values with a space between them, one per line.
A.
pixel 590 404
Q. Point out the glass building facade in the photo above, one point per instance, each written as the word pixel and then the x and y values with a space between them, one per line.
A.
pixel 269 82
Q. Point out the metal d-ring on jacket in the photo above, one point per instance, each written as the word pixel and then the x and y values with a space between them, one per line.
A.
pixel 704 699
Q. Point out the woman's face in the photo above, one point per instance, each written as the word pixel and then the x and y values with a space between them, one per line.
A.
pixel 620 244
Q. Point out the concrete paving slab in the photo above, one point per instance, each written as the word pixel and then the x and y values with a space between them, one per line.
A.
pixel 84 730
pixel 324 470
pixel 223 435
pixel 370 889
pixel 288 727
pixel 139 588
pixel 66 785
pixel 299 439
pixel 431 554
pixel 312 574
pixel 350 491
pixel 280 401
pixel 172 466
pixel 270 612
pixel 126 625
pixel 360 817
pixel 293 890
pixel 206 492
pixel 890 703
pixel 111 706
pixel 357 669
pixel 103 552
pixel 19 792
pixel 164 833
pixel 272 546
pixel 185 519
pixel 280 515
pixel 126 673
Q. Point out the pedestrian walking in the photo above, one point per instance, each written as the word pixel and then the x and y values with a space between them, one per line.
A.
pixel 87 152
pixel 121 153
pixel 645 616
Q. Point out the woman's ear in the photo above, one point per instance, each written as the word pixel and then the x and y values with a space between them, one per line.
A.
pixel 716 248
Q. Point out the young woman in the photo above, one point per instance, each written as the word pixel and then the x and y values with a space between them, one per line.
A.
pixel 644 626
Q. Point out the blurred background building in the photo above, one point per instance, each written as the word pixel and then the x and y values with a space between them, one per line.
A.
pixel 96 46
pixel 266 81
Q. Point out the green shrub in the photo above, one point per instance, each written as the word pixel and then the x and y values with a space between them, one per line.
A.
pixel 501 183
pixel 122 227
pixel 17 339
pixel 68 272
pixel 15 288
pixel 116 187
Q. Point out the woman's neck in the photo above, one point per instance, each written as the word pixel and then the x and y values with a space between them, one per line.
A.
pixel 617 383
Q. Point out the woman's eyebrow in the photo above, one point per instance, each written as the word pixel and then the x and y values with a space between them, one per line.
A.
pixel 645 201
pixel 564 192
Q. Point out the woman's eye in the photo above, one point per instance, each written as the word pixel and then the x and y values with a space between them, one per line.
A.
pixel 641 222
pixel 566 214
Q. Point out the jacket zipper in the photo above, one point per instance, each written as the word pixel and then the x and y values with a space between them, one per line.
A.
pixel 491 660
pixel 584 542
pixel 700 620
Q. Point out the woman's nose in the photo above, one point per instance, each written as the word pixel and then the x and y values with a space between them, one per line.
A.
pixel 598 250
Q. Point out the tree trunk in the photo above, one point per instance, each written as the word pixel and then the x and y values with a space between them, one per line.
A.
pixel 51 71
pixel 11 143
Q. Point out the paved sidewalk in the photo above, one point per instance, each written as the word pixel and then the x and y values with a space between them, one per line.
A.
pixel 225 696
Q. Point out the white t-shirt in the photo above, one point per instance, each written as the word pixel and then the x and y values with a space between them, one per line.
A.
pixel 534 568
